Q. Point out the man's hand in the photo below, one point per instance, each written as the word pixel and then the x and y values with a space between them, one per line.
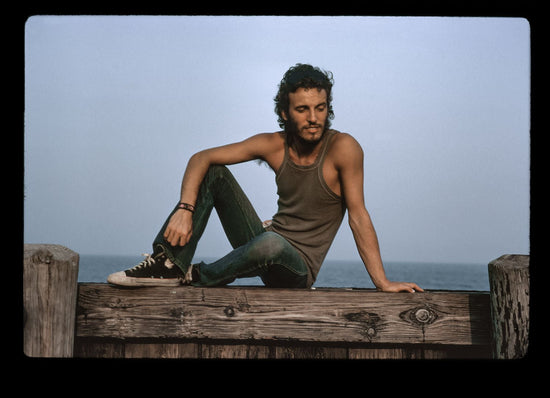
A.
pixel 180 228
pixel 395 287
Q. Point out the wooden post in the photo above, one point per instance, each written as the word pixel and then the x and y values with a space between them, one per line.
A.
pixel 50 275
pixel 509 282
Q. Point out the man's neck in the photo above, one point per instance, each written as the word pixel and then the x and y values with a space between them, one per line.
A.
pixel 304 152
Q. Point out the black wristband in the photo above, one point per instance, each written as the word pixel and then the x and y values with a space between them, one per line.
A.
pixel 186 206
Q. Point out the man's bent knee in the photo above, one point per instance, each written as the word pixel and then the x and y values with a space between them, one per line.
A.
pixel 217 171
pixel 268 246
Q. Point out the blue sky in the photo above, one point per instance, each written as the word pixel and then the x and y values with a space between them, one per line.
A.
pixel 116 105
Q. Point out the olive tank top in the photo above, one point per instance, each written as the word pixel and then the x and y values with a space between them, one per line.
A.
pixel 309 212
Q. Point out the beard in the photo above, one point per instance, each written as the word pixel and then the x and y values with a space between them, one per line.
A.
pixel 292 131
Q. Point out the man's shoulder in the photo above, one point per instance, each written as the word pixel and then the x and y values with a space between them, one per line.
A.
pixel 266 139
pixel 277 136
pixel 267 146
pixel 344 141
pixel 345 152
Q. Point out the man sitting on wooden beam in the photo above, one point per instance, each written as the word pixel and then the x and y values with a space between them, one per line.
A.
pixel 319 174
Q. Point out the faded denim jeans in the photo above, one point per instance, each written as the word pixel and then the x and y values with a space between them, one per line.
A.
pixel 257 252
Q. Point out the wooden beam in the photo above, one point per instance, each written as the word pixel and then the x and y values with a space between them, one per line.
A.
pixel 300 315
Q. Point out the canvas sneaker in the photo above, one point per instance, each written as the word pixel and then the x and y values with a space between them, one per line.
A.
pixel 155 270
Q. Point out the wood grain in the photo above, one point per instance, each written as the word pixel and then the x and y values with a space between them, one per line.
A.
pixel 49 297
pixel 260 314
pixel 509 281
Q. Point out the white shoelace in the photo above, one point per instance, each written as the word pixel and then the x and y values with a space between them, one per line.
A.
pixel 149 260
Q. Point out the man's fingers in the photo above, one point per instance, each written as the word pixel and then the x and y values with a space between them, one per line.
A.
pixel 172 237
pixel 188 238
pixel 413 287
pixel 177 238
pixel 184 239
pixel 403 287
pixel 418 288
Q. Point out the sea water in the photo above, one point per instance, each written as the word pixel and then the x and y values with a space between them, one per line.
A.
pixel 334 273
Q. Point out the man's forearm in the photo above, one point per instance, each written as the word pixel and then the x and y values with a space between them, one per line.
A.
pixel 194 174
pixel 368 247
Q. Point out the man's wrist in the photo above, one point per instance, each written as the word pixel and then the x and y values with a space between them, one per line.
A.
pixel 186 206
pixel 381 286
pixel 381 282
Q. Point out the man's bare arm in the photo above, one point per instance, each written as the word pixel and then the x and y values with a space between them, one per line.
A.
pixel 180 227
pixel 350 167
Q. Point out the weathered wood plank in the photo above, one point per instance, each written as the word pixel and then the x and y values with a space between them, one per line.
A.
pixel 160 348
pixel 310 352
pixel 258 313
pixel 49 298
pixel 91 348
pixel 235 351
pixel 509 281
pixel 139 348
pixel 385 353
pixel 417 351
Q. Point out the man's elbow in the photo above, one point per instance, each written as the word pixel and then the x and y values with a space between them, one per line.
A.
pixel 200 157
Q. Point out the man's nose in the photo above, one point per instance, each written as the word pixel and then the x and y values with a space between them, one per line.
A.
pixel 312 117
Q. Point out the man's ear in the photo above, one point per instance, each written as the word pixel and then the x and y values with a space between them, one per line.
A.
pixel 284 116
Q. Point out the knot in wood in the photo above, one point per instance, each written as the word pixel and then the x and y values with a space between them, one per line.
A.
pixel 422 315
pixel 229 311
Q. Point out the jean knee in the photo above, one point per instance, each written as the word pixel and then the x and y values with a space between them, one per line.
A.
pixel 217 171
pixel 268 247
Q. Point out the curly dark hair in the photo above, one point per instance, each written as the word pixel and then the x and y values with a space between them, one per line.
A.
pixel 305 76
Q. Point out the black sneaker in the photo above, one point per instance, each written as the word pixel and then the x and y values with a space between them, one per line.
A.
pixel 155 270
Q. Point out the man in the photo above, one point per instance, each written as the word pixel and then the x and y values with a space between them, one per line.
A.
pixel 319 174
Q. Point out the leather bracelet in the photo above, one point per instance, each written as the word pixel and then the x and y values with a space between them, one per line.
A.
pixel 186 206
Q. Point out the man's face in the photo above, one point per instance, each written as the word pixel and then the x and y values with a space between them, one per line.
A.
pixel 307 114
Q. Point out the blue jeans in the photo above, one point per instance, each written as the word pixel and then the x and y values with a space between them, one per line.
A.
pixel 257 252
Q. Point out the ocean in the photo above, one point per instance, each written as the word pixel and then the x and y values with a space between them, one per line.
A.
pixel 334 273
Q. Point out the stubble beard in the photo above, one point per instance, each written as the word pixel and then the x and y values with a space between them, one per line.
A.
pixel 292 130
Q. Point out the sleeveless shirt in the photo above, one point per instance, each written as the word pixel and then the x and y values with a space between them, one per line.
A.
pixel 309 212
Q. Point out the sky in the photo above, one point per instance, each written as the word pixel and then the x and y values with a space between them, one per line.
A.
pixel 116 105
